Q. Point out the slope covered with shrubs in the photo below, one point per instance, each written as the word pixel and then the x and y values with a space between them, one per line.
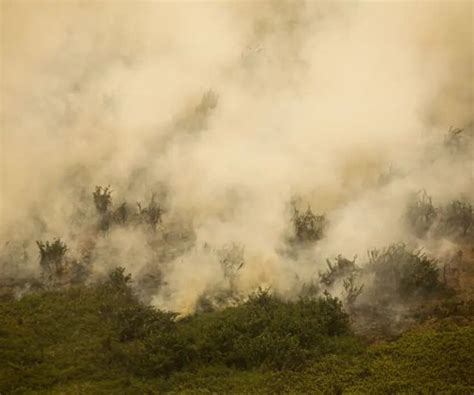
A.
pixel 100 338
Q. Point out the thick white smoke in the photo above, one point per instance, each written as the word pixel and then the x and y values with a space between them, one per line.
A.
pixel 230 109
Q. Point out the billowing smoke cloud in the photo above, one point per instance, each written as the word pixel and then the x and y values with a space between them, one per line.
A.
pixel 228 111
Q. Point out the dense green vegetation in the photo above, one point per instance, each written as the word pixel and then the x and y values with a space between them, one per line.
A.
pixel 100 338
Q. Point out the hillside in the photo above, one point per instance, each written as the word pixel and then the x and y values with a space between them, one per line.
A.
pixel 100 339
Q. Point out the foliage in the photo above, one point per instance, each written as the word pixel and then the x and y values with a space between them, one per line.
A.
pixel 263 332
pixel 310 289
pixel 121 214
pixel 52 258
pixel 456 219
pixel 150 214
pixel 421 214
pixel 341 268
pixel 100 339
pixel 308 227
pixel 342 272
pixel 102 198
pixel 352 290
pixel 401 273
pixel 103 202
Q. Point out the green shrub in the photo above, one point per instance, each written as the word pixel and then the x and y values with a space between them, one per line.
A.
pixel 266 331
pixel 101 339
pixel 401 273
pixel 52 259
pixel 148 343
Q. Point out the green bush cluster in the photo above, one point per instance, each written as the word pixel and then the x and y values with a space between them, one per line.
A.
pixel 100 339
pixel 262 332
pixel 268 332
pixel 105 326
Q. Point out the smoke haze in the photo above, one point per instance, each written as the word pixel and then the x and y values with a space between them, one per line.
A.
pixel 227 112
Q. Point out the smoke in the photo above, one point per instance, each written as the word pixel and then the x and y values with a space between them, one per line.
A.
pixel 228 111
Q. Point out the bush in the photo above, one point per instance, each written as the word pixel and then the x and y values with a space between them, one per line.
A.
pixel 103 202
pixel 100 339
pixel 150 214
pixel 307 226
pixel 338 270
pixel 421 214
pixel 102 199
pixel 52 259
pixel 400 273
pixel 456 219
pixel 148 342
pixel 267 332
pixel 121 214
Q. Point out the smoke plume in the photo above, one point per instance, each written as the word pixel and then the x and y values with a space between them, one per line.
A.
pixel 228 113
